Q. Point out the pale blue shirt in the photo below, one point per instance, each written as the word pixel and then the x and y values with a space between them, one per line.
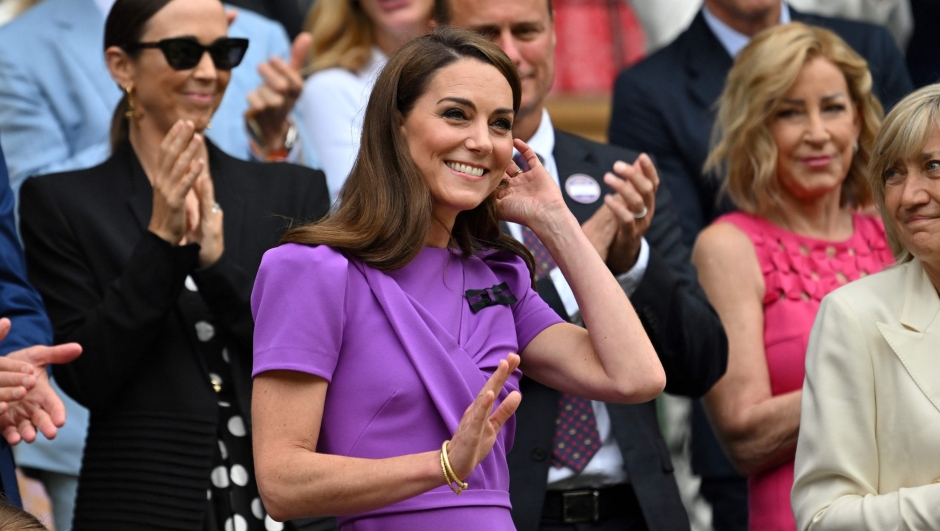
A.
pixel 606 467
pixel 731 39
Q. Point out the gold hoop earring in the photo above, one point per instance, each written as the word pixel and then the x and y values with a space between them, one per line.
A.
pixel 132 111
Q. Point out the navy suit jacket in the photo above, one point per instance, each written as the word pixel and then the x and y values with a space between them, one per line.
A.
pixel 683 328
pixel 22 305
pixel 665 105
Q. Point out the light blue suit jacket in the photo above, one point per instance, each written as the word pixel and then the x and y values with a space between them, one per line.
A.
pixel 56 103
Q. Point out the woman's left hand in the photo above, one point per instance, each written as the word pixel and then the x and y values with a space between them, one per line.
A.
pixel 207 232
pixel 531 196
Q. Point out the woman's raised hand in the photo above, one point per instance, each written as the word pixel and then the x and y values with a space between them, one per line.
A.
pixel 207 231
pixel 531 194
pixel 177 170
pixel 479 426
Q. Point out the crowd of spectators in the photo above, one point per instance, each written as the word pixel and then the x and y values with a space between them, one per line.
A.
pixel 230 235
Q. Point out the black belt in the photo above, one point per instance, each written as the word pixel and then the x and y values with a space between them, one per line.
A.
pixel 589 505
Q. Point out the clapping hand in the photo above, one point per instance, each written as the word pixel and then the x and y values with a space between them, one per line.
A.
pixel 206 228
pixel 178 166
pixel 28 401
pixel 476 433
pixel 271 103
pixel 632 208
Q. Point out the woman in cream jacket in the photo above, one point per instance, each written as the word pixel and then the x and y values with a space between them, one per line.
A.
pixel 868 456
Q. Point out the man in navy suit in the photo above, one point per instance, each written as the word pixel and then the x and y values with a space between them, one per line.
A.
pixel 665 106
pixel 31 403
pixel 627 483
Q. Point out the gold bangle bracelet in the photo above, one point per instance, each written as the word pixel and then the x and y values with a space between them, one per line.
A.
pixel 451 476
pixel 447 478
pixel 450 483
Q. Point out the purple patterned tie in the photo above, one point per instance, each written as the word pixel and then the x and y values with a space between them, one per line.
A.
pixel 576 435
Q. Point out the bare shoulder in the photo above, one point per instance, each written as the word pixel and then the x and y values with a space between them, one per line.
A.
pixel 723 242
pixel 724 250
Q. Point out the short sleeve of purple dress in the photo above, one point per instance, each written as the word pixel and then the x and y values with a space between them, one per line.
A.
pixel 405 354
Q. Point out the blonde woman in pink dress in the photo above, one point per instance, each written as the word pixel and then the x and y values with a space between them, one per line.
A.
pixel 794 132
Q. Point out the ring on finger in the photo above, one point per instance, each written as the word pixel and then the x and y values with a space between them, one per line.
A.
pixel 216 208
pixel 641 215
pixel 517 172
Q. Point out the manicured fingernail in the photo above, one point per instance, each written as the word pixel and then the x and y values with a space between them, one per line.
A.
pixel 620 166
pixel 19 392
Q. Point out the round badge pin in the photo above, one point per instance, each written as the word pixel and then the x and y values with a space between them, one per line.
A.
pixel 583 188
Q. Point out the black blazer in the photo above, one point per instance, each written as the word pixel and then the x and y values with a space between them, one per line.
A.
pixel 684 329
pixel 113 287
pixel 664 105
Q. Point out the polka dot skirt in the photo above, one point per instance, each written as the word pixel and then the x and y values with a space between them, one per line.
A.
pixel 232 500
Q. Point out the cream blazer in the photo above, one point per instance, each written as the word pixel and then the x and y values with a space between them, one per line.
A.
pixel 868 456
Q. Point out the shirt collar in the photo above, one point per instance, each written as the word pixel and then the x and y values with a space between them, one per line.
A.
pixel 732 40
pixel 104 6
pixel 543 141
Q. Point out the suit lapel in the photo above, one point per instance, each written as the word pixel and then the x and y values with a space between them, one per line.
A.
pixel 81 30
pixel 570 159
pixel 707 64
pixel 916 343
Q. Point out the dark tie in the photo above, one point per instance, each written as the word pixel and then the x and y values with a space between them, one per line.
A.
pixel 576 435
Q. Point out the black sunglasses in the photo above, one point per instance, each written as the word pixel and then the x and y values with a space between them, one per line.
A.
pixel 183 53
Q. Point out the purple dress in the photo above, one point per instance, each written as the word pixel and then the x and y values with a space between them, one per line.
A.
pixel 404 356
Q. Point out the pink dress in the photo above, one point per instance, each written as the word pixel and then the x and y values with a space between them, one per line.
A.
pixel 798 272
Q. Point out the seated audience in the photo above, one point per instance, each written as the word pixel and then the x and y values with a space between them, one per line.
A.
pixel 351 44
pixel 148 261
pixel 795 126
pixel 631 220
pixel 374 390
pixel 867 453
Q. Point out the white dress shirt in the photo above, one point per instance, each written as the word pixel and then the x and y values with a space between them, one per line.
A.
pixel 606 467
pixel 332 107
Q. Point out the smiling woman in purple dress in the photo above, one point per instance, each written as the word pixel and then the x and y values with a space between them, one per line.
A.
pixel 391 328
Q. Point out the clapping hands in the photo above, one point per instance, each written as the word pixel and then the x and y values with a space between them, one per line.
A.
pixel 184 207
pixel 27 401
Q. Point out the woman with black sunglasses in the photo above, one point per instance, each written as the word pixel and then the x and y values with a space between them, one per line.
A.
pixel 149 259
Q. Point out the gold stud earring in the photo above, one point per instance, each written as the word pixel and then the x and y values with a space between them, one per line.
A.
pixel 132 111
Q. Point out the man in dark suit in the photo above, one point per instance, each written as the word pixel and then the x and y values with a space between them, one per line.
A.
pixel 32 405
pixel 627 482
pixel 665 106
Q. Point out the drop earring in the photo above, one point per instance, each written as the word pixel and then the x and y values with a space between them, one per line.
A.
pixel 132 111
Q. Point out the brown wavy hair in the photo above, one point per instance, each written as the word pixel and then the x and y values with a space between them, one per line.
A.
pixel 744 152
pixel 385 208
